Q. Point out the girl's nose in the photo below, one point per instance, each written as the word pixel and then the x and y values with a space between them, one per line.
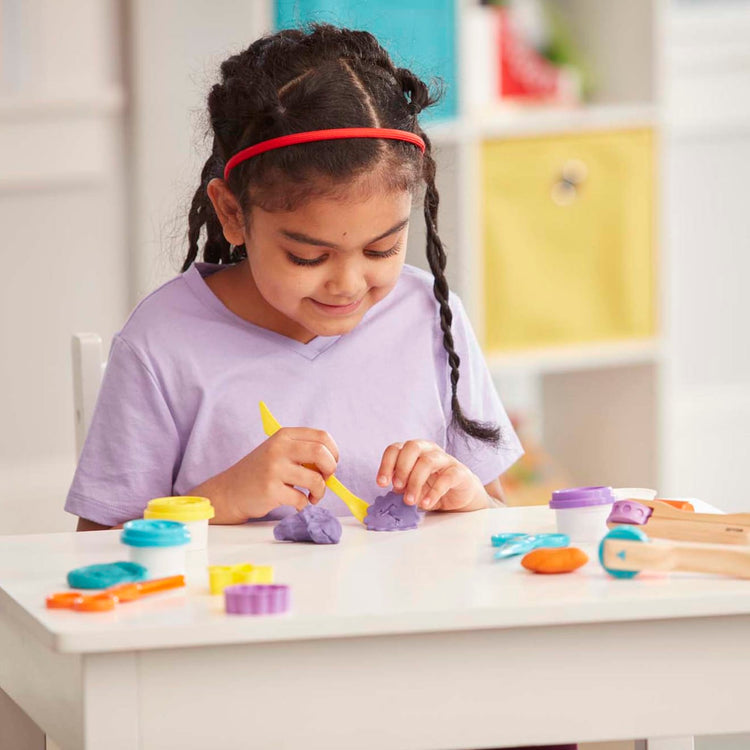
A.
pixel 345 282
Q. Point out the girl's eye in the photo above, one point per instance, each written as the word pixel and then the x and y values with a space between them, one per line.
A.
pixel 317 261
pixel 386 253
pixel 305 261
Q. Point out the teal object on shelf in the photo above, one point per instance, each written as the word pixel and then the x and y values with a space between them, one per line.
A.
pixel 418 34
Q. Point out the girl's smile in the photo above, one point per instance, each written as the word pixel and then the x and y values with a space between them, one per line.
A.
pixel 338 309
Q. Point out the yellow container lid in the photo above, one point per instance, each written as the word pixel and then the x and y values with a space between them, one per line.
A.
pixel 183 509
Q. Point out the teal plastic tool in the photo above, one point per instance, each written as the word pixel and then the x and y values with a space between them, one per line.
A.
pixel 510 545
pixel 105 575
pixel 498 540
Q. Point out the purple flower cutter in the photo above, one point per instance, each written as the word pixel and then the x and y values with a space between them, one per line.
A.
pixel 581 497
pixel 629 512
pixel 256 599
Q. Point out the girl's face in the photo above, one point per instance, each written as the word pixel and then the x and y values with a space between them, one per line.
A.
pixel 322 266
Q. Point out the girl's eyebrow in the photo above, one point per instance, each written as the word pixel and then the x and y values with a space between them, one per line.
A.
pixel 307 240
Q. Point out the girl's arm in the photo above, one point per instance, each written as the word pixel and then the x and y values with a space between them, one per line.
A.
pixel 85 525
pixel 495 491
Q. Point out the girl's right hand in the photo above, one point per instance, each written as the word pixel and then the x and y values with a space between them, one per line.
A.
pixel 268 476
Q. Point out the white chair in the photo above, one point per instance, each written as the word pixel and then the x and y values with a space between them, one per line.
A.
pixel 88 368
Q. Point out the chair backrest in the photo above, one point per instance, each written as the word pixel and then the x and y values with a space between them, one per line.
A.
pixel 88 368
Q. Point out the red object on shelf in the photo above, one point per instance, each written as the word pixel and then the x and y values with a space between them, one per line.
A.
pixel 525 74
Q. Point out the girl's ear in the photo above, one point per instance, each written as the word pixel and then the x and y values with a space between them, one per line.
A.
pixel 228 210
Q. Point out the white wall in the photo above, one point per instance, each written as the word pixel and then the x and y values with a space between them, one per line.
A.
pixel 63 241
pixel 707 440
pixel 100 150
pixel 170 75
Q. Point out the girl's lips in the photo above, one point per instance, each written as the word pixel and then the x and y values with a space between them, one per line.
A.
pixel 337 309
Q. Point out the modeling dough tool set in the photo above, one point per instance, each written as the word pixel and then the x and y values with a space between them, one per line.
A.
pixel 662 520
pixel 631 516
pixel 626 551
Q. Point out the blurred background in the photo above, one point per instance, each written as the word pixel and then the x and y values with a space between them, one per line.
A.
pixel 593 164
pixel 593 160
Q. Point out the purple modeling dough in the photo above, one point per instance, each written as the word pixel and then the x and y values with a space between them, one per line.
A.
pixel 389 512
pixel 311 524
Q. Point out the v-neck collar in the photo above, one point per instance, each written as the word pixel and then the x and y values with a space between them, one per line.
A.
pixel 196 281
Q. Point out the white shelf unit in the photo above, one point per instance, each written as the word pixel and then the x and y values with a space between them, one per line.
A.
pixel 596 408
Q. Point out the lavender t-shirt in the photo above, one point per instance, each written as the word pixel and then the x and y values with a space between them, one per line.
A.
pixel 179 399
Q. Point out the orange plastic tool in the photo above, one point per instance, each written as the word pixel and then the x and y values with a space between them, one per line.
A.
pixel 107 599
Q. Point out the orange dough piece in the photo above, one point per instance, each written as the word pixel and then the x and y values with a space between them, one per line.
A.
pixel 555 560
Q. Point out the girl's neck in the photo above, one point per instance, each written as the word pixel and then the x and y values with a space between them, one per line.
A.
pixel 236 289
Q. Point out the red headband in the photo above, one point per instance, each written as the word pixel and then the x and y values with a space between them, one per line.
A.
pixel 322 135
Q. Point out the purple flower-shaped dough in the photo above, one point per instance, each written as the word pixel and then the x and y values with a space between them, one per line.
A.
pixel 389 512
pixel 311 524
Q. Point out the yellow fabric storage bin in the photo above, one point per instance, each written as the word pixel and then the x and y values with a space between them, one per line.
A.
pixel 568 239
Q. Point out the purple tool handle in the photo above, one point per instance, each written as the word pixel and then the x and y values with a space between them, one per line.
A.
pixel 581 497
pixel 256 599
pixel 630 512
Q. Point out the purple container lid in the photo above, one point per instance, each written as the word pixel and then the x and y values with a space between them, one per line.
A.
pixel 581 497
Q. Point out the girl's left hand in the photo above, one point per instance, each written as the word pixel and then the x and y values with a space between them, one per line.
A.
pixel 428 476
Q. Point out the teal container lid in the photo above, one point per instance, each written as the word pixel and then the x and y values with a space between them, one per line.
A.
pixel 148 532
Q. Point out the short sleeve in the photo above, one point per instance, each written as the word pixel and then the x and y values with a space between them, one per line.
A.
pixel 132 448
pixel 479 400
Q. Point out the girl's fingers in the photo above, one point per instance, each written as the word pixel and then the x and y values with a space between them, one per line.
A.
pixel 314 454
pixel 310 435
pixel 388 463
pixel 300 476
pixel 406 460
pixel 427 464
pixel 442 483
pixel 293 497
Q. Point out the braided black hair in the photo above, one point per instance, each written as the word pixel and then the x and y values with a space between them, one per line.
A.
pixel 325 77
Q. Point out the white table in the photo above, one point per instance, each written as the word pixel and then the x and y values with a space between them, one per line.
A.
pixel 396 640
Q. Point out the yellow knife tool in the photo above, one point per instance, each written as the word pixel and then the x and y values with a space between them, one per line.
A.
pixel 356 505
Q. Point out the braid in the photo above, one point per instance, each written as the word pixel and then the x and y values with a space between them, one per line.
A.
pixel 419 97
pixel 436 257
pixel 216 249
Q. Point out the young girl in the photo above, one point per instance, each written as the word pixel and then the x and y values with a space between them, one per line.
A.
pixel 304 301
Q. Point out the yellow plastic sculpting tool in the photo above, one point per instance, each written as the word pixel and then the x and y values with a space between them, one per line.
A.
pixel 356 505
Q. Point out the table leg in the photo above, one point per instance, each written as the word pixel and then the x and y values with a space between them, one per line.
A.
pixel 18 731
pixel 110 688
